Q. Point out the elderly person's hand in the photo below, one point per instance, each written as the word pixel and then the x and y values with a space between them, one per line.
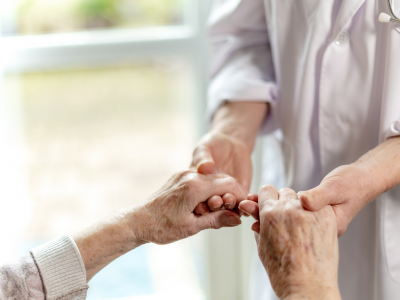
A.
pixel 168 215
pixel 165 217
pixel 298 248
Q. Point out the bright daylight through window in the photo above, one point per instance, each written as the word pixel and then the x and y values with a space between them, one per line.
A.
pixel 84 138
pixel 50 16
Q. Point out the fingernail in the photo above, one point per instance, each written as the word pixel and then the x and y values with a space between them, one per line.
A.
pixel 232 221
pixel 306 198
pixel 229 206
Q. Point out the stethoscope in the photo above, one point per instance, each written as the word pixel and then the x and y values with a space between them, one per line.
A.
pixel 385 18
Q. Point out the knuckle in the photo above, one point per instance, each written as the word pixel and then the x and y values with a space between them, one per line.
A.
pixel 266 187
pixel 186 174
pixel 193 184
pixel 285 191
pixel 231 182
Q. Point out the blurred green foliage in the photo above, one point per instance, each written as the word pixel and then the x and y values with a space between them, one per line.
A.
pixel 43 16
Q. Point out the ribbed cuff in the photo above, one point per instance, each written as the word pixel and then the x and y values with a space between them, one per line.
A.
pixel 61 268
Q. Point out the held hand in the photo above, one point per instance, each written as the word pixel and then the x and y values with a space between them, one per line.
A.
pixel 298 248
pixel 165 218
pixel 219 153
pixel 168 215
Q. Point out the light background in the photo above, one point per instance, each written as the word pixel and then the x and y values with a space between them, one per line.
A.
pixel 95 119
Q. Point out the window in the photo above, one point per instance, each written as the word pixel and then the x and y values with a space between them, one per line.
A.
pixel 50 16
pixel 102 101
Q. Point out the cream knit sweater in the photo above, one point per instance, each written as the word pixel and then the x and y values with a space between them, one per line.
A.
pixel 53 271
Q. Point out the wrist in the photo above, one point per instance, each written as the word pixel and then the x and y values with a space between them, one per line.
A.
pixel 105 241
pixel 372 178
pixel 382 164
pixel 135 224
pixel 235 132
pixel 240 120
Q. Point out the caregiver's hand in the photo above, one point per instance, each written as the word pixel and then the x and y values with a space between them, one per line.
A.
pixel 350 188
pixel 298 248
pixel 226 149
pixel 166 217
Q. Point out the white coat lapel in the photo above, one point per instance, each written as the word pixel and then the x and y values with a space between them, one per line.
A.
pixel 347 10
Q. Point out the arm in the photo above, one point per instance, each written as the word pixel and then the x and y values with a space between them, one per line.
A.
pixel 242 82
pixel 165 218
pixel 61 268
pixel 227 148
pixel 351 187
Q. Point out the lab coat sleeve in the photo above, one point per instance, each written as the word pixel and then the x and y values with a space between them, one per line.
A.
pixel 242 67
pixel 394 129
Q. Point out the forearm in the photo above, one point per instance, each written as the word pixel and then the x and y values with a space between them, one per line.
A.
pixel 105 241
pixel 382 165
pixel 240 120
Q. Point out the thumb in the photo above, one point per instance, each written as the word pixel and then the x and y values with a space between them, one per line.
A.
pixel 318 197
pixel 218 219
pixel 203 160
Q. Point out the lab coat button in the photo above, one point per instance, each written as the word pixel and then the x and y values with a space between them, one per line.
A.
pixel 342 39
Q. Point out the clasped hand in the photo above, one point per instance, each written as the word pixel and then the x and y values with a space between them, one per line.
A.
pixel 298 248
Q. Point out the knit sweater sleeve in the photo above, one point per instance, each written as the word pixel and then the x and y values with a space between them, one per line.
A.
pixel 53 271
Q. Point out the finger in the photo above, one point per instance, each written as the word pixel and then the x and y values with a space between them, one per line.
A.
pixel 218 219
pixel 215 202
pixel 267 193
pixel 251 208
pixel 201 209
pixel 203 160
pixel 256 227
pixel 252 197
pixel 229 201
pixel 317 198
pixel 257 237
pixel 222 186
pixel 287 194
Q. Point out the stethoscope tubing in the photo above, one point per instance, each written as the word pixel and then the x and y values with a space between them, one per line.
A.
pixel 383 17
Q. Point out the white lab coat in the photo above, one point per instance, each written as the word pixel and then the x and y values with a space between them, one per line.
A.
pixel 332 78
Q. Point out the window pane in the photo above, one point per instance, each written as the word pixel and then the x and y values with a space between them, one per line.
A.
pixel 96 140
pixel 49 16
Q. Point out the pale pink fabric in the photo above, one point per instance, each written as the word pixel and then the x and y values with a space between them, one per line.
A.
pixel 21 281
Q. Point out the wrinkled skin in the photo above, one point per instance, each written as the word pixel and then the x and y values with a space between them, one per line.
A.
pixel 298 248
pixel 219 153
pixel 168 215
